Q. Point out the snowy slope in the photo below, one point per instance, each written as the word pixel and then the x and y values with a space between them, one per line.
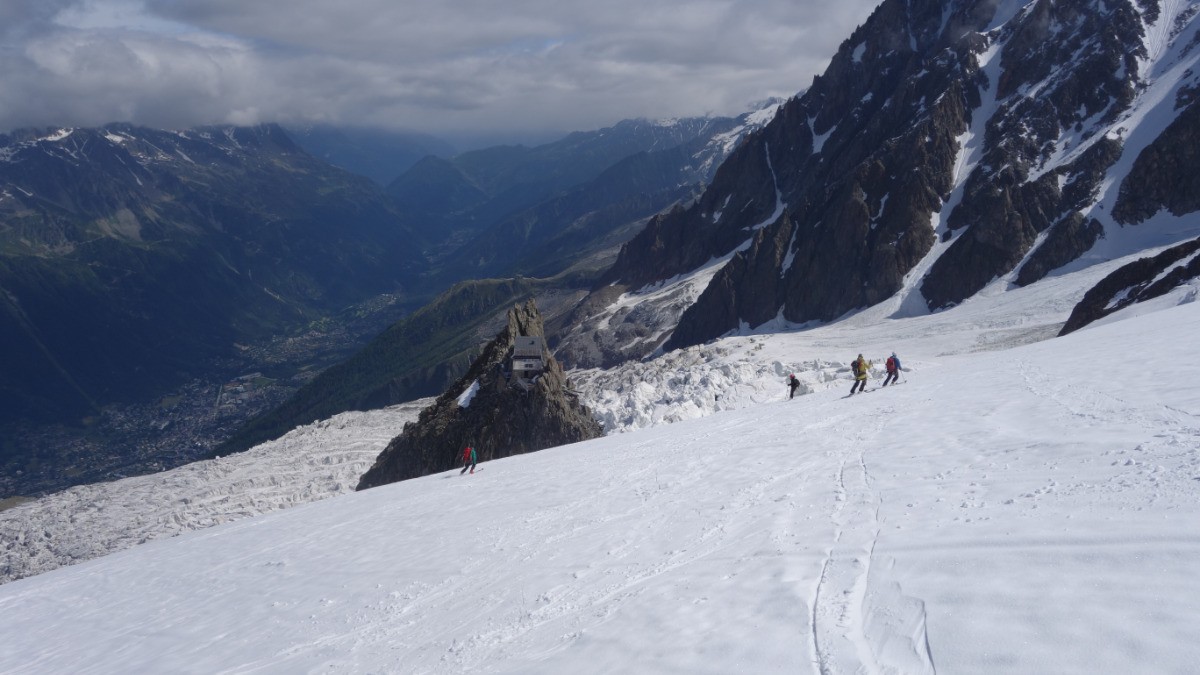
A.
pixel 312 462
pixel 326 459
pixel 1013 510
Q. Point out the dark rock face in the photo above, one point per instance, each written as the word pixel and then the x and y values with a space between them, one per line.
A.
pixel 722 305
pixel 936 121
pixel 1066 241
pixel 1072 234
pixel 501 420
pixel 1136 282
pixel 1083 60
pixel 1166 175
pixel 830 205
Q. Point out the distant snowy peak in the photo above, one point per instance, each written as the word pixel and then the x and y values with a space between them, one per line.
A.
pixel 720 135
pixel 96 172
pixel 57 135
pixel 144 144
pixel 711 138
pixel 951 146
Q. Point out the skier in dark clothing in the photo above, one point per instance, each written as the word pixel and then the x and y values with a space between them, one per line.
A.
pixel 893 369
pixel 793 385
pixel 468 460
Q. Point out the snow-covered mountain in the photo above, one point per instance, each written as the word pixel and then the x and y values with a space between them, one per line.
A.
pixel 1018 504
pixel 950 145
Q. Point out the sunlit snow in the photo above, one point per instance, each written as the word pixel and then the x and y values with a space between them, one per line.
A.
pixel 1018 504
pixel 58 135
pixel 465 398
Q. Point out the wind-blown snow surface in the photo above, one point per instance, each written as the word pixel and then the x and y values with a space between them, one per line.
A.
pixel 1031 509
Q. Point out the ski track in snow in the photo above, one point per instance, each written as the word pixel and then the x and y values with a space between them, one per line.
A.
pixel 839 633
pixel 862 623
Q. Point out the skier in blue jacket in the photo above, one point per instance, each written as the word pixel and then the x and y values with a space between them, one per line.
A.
pixel 893 369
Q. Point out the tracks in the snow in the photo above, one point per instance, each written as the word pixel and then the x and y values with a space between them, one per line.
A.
pixel 839 634
pixel 861 622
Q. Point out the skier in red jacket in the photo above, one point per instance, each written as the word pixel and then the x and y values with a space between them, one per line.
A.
pixel 468 460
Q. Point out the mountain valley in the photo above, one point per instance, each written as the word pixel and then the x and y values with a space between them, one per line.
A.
pixel 243 363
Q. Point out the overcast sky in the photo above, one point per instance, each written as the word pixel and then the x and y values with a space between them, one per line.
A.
pixel 441 66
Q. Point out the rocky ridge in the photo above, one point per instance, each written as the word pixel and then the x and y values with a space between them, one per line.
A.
pixel 1144 279
pixel 489 411
pixel 948 144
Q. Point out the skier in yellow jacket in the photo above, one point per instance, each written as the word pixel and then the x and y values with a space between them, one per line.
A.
pixel 860 367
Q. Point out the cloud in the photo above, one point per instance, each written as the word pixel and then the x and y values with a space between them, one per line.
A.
pixel 442 66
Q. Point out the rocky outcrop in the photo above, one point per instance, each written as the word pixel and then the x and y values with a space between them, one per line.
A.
pixel 1166 175
pixel 501 418
pixel 1065 242
pixel 1136 282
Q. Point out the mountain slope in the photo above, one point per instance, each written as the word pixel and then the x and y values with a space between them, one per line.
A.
pixel 131 257
pixel 727 375
pixel 949 145
pixel 929 524
pixel 462 196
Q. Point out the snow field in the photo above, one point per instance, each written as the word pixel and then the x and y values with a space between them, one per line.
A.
pixel 312 462
pixel 1016 511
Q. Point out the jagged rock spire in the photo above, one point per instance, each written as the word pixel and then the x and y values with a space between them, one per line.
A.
pixel 501 419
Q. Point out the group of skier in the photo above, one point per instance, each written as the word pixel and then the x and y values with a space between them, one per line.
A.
pixel 861 368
